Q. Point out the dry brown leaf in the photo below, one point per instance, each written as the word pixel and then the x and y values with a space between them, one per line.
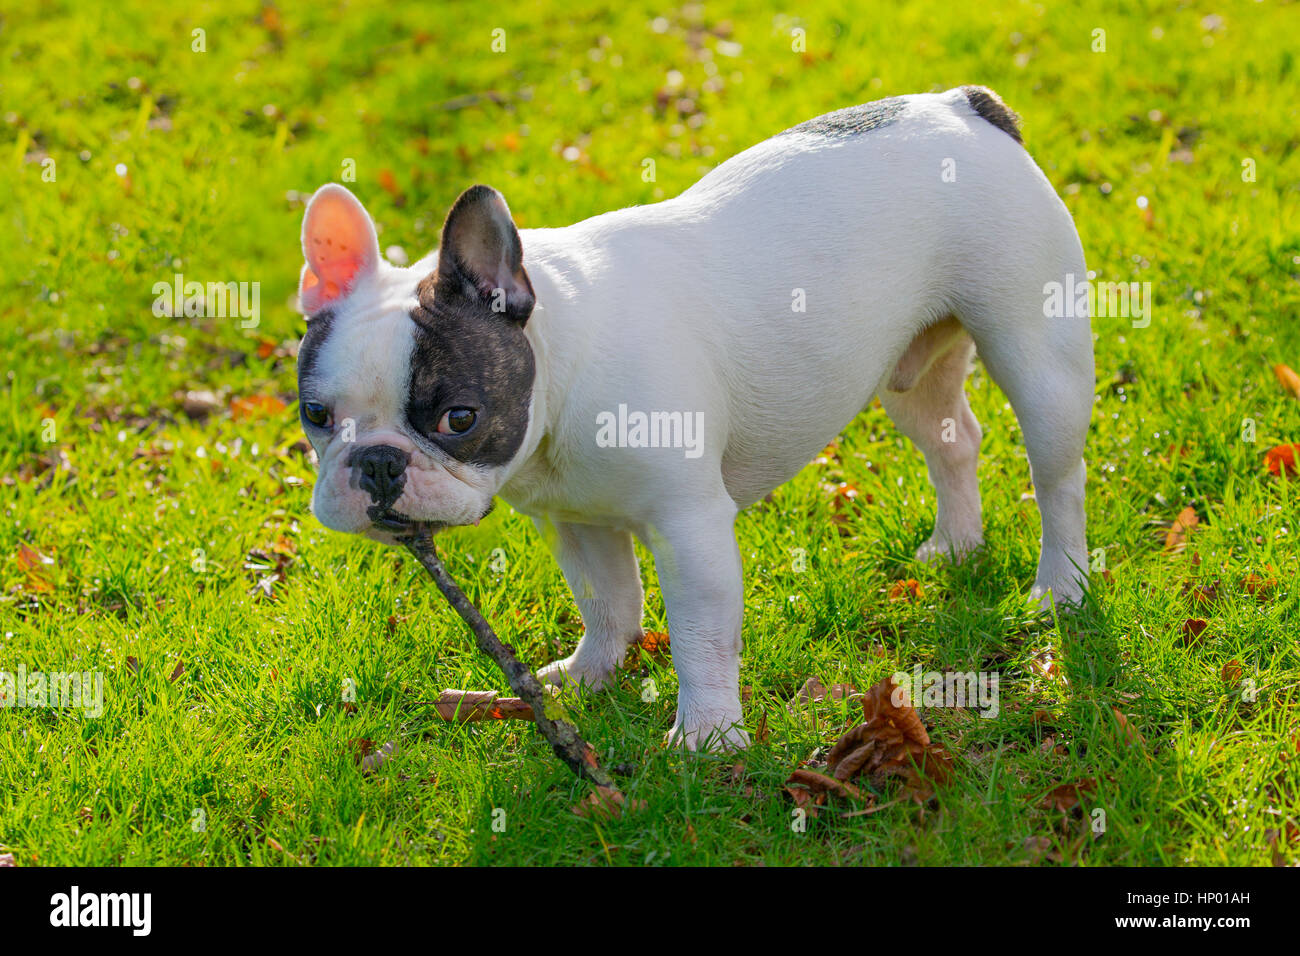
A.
pixel 604 803
pixel 464 706
pixel 1191 630
pixel 1231 672
pixel 255 406
pixel 1176 537
pixel 1067 796
pixel 1258 587
pixel 180 669
pixel 34 566
pixel 909 590
pixel 1130 731
pixel 1288 379
pixel 890 742
pixel 821 783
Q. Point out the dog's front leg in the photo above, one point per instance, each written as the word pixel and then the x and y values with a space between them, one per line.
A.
pixel 698 564
pixel 601 569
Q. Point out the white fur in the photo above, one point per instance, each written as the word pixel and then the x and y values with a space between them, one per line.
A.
pixel 686 305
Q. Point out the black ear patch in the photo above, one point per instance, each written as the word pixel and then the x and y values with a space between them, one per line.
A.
pixel 464 356
pixel 481 256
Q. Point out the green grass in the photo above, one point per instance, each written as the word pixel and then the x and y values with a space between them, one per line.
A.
pixel 219 149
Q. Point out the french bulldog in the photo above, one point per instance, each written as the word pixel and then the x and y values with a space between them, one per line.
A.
pixel 651 372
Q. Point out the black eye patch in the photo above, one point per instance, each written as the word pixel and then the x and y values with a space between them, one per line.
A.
pixel 466 356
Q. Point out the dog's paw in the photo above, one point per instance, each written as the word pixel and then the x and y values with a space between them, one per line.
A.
pixel 1067 594
pixel 569 674
pixel 714 732
pixel 939 548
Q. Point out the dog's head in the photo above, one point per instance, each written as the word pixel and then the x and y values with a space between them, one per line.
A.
pixel 414 384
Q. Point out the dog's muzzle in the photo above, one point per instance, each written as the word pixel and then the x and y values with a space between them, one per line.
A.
pixel 380 471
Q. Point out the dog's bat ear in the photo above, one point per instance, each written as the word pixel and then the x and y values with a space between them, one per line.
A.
pixel 340 246
pixel 481 256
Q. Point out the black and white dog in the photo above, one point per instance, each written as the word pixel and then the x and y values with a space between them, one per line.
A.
pixel 654 370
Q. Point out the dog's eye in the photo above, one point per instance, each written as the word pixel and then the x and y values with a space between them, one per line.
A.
pixel 316 413
pixel 456 421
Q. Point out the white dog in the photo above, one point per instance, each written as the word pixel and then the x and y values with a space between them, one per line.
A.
pixel 651 372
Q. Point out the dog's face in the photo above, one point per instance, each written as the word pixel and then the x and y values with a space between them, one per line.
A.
pixel 415 386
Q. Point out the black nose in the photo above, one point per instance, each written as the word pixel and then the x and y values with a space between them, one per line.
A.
pixel 381 471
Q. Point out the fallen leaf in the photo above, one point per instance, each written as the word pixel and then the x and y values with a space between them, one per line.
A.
pixel 1130 732
pixel 1288 379
pixel 1258 587
pixel 909 590
pixel 34 566
pixel 1231 672
pixel 1067 796
pixel 361 747
pixel 180 669
pixel 255 406
pixel 655 644
pixel 464 706
pixel 388 183
pixel 891 742
pixel 1280 460
pixel 604 803
pixel 1191 630
pixel 820 782
pixel 1176 537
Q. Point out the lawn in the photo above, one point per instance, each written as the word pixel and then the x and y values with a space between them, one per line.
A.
pixel 156 483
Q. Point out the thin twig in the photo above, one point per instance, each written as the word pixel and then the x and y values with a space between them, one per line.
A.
pixel 563 736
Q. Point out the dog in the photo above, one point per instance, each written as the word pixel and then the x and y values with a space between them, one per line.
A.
pixel 651 372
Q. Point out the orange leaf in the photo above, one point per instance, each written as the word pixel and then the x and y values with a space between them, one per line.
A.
pixel 909 590
pixel 1289 379
pixel 1176 538
pixel 1280 460
pixel 255 406
pixel 1259 587
pixel 33 564
pixel 388 183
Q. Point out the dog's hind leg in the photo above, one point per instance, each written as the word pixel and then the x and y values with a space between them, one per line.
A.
pixel 1045 367
pixel 926 399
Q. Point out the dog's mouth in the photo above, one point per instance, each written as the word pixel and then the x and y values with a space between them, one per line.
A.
pixel 394 522
pixel 384 518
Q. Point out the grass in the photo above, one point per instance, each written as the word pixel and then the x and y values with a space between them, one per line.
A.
pixel 168 160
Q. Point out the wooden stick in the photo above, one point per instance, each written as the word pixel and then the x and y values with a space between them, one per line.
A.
pixel 562 735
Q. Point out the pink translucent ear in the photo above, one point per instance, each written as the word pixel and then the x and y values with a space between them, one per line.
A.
pixel 340 246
